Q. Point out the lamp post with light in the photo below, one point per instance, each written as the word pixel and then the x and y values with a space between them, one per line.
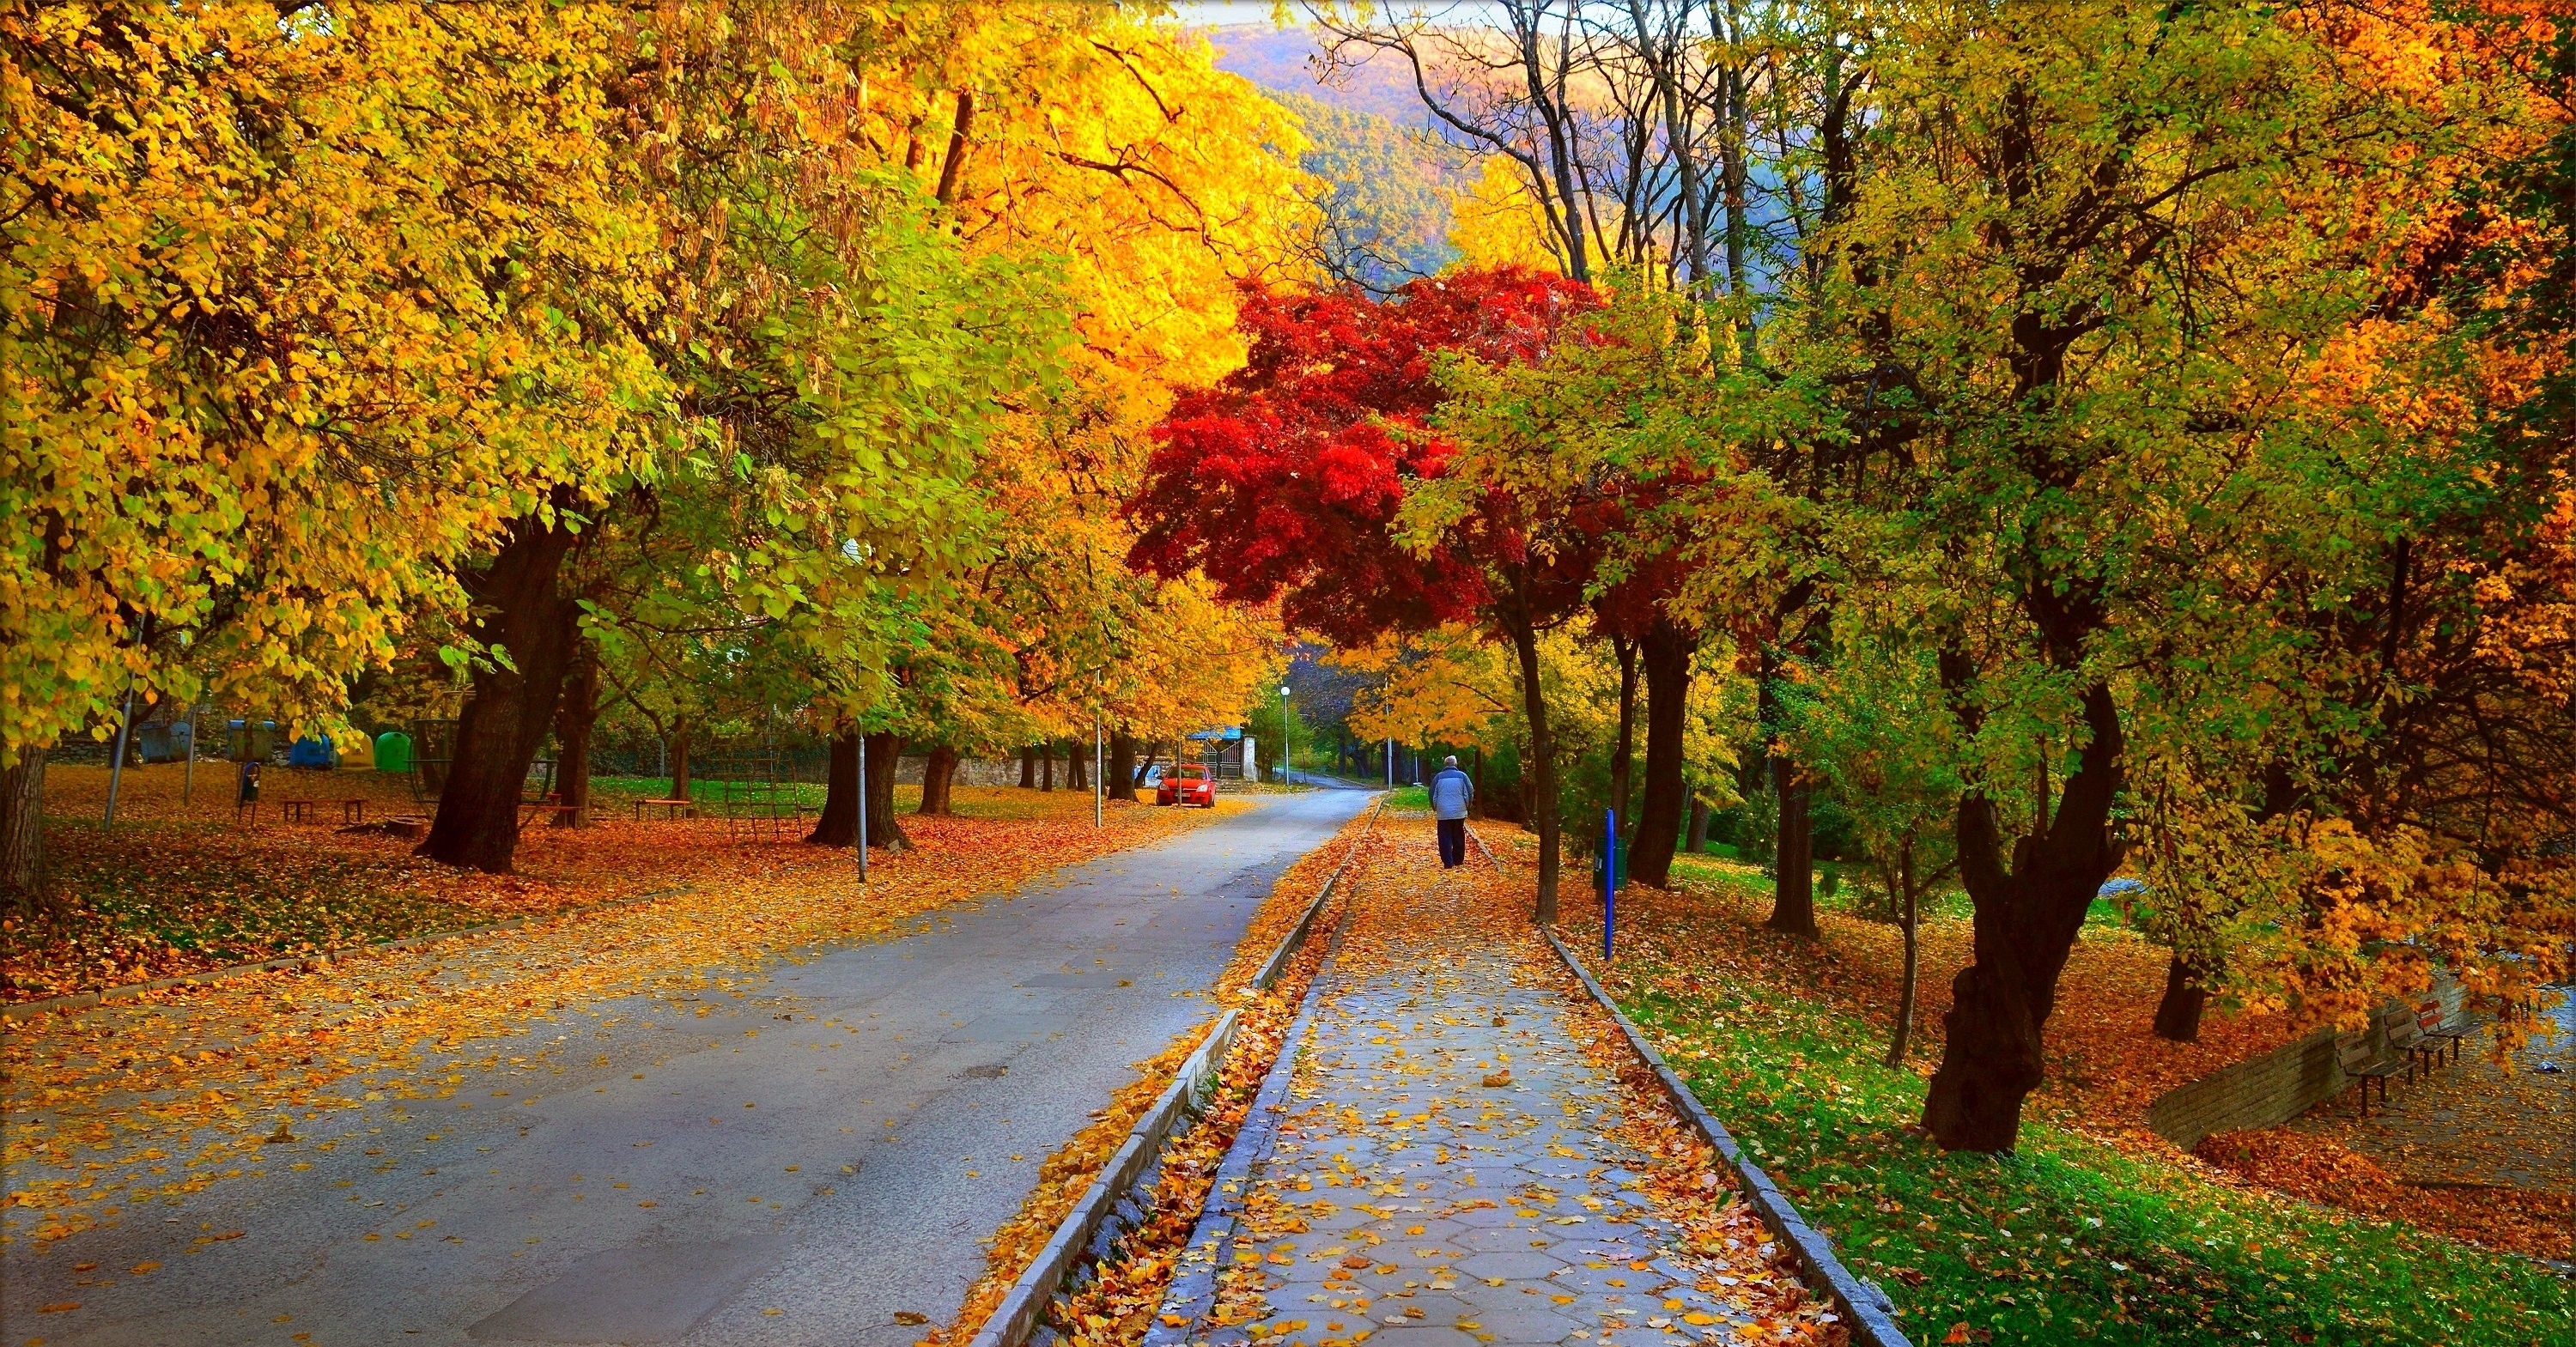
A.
pixel 1284 761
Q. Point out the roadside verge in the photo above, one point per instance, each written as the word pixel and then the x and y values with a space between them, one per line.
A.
pixel 1108 1205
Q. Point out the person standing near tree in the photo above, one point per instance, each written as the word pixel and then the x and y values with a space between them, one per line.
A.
pixel 1452 791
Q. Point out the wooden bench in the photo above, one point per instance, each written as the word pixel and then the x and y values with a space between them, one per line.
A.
pixel 2440 1032
pixel 671 809
pixel 353 810
pixel 2364 1064
pixel 2406 1039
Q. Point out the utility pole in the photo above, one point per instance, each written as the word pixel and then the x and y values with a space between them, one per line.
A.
pixel 1390 762
pixel 1099 783
pixel 1285 758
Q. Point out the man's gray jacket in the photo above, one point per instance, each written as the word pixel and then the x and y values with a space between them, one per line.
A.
pixel 1451 792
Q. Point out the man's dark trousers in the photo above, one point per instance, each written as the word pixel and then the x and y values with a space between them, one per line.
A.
pixel 1453 842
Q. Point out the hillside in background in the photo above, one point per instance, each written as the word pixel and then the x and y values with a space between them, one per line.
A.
pixel 1386 193
pixel 1285 59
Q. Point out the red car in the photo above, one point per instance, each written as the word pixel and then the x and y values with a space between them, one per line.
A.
pixel 1187 785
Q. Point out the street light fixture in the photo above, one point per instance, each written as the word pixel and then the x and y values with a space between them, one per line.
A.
pixel 1284 761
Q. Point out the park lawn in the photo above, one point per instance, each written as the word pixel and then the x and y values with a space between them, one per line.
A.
pixel 2071 1238
pixel 177 886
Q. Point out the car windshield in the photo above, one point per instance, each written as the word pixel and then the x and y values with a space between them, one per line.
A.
pixel 1194 774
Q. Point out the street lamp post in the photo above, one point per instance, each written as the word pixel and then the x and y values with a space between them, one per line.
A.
pixel 1284 760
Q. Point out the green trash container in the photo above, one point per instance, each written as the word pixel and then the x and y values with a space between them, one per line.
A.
pixel 1622 860
pixel 393 751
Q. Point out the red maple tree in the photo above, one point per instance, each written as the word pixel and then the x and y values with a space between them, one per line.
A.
pixel 1281 482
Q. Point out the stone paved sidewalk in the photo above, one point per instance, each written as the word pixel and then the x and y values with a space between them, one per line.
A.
pixel 2470 1123
pixel 1454 1168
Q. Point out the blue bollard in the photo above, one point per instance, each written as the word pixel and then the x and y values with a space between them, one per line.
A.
pixel 1609 880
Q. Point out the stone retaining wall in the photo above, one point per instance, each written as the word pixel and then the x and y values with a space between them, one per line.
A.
pixel 2273 1088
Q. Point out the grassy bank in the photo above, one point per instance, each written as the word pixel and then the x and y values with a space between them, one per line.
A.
pixel 2070 1238
pixel 181 884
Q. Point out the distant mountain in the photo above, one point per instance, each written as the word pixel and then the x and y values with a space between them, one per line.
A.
pixel 1387 189
pixel 1285 60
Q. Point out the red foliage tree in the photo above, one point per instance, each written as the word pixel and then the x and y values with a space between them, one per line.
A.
pixel 1283 481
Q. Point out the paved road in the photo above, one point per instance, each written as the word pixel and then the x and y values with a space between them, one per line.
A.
pixel 733 1177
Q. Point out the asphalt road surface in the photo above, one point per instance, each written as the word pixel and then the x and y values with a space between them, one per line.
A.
pixel 733 1177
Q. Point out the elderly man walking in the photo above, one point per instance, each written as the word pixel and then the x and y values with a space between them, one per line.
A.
pixel 1452 791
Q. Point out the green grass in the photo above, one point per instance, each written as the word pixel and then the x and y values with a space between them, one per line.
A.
pixel 2066 1240
pixel 1409 797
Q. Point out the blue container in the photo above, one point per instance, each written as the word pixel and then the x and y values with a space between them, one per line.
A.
pixel 310 752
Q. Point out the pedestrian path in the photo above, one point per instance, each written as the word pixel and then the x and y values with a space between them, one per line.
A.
pixel 1457 1161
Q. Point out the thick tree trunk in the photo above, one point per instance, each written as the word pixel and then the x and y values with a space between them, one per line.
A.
pixel 938 778
pixel 680 757
pixel 23 889
pixel 1046 765
pixel 1698 826
pixel 2186 995
pixel 885 754
pixel 838 825
pixel 1540 769
pixel 1669 649
pixel 526 613
pixel 1122 766
pixel 1623 749
pixel 2027 918
pixel 1028 769
pixel 1793 906
pixel 573 724
pixel 1077 766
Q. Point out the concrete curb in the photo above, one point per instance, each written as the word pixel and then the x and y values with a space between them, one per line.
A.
pixel 1277 963
pixel 1192 1291
pixel 27 1010
pixel 1866 1309
pixel 1012 1321
pixel 1018 1313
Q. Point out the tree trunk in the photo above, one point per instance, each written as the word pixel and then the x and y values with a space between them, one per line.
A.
pixel 22 835
pixel 1046 765
pixel 1028 769
pixel 839 824
pixel 680 757
pixel 572 739
pixel 938 776
pixel 1669 648
pixel 1153 754
pixel 1540 769
pixel 2186 995
pixel 1908 916
pixel 885 754
pixel 1793 907
pixel 523 610
pixel 2027 918
pixel 1122 766
pixel 1623 749
pixel 1698 842
pixel 1077 766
